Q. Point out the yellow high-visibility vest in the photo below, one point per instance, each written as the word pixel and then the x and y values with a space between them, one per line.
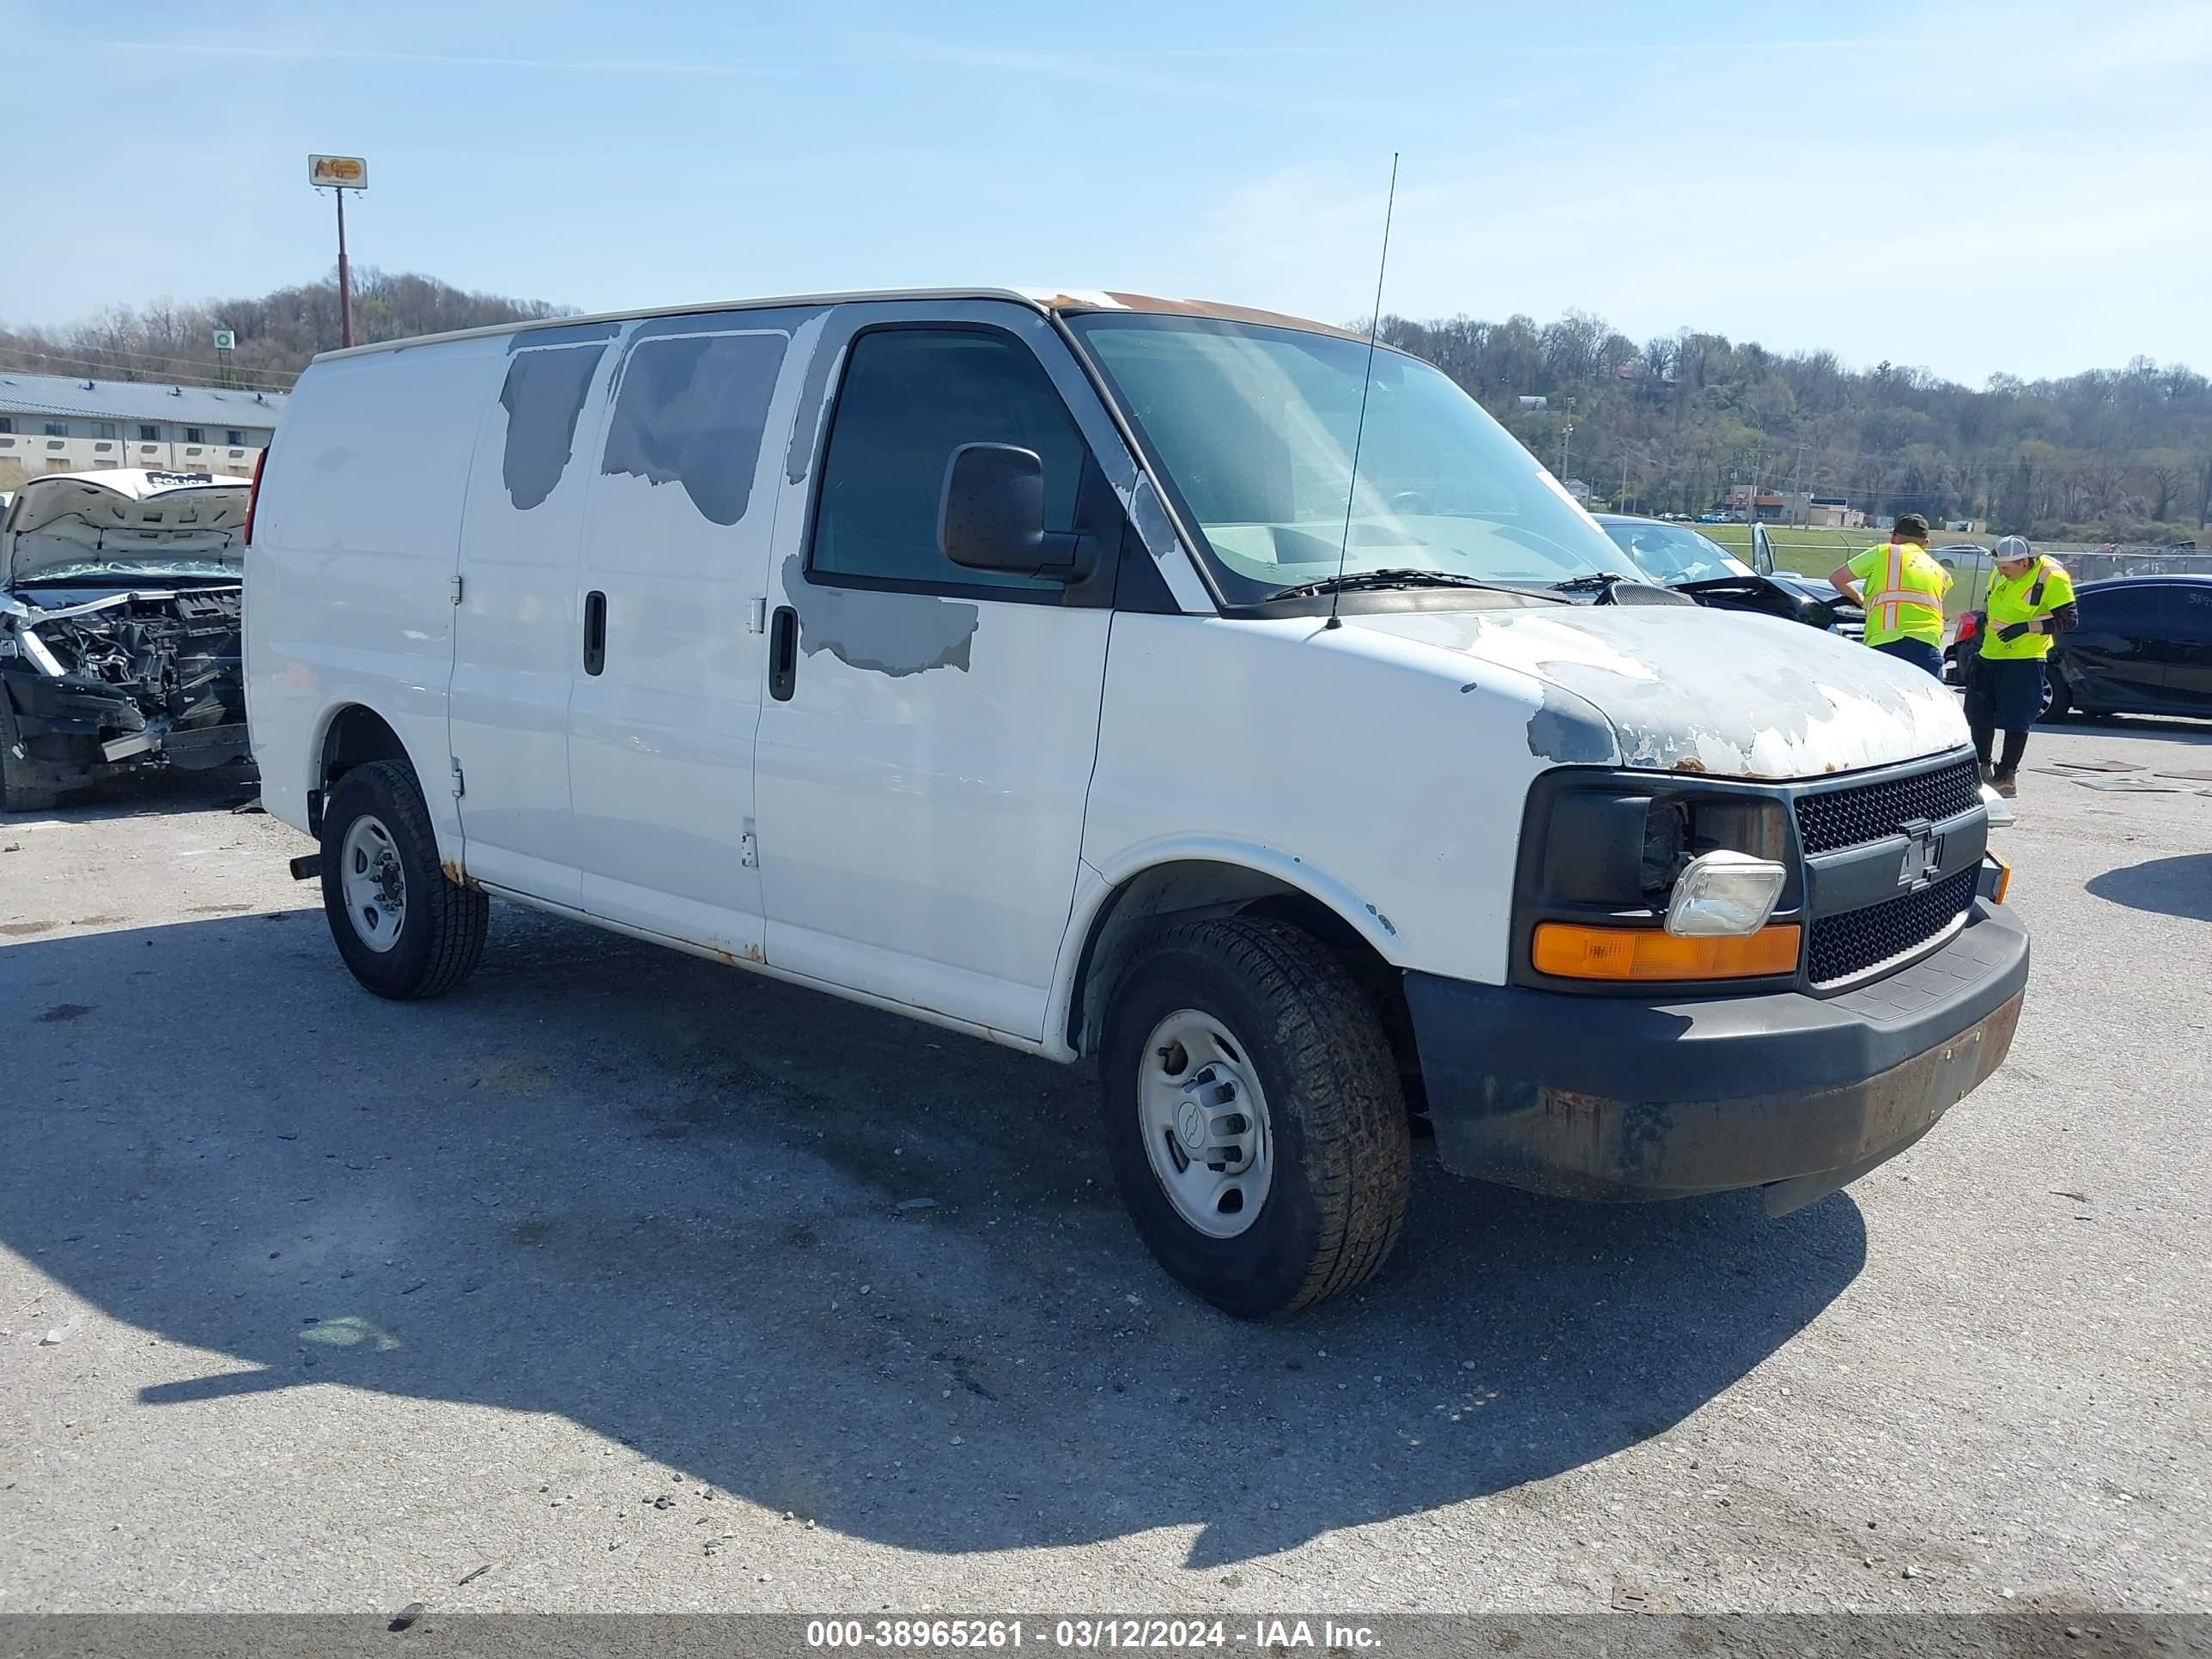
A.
pixel 2011 602
pixel 1903 590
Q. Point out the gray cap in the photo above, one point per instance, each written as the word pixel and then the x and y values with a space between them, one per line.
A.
pixel 2015 547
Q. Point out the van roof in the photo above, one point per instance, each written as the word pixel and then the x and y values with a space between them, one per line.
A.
pixel 1050 301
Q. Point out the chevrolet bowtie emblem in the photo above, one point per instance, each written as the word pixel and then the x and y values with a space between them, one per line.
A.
pixel 1923 855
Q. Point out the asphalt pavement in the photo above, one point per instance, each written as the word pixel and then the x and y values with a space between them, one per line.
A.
pixel 622 1280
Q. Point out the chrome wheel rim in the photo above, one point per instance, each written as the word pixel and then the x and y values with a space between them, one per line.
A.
pixel 1205 1124
pixel 373 884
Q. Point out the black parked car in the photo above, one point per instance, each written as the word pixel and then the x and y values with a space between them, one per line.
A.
pixel 1675 556
pixel 2143 647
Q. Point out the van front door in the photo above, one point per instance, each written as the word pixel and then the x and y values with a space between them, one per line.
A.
pixel 927 742
pixel 677 542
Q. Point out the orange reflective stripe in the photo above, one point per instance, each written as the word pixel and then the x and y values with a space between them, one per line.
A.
pixel 1898 593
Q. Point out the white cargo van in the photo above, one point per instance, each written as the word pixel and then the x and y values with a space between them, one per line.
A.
pixel 1034 664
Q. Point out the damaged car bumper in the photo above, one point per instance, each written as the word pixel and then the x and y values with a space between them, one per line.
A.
pixel 131 679
pixel 1628 1099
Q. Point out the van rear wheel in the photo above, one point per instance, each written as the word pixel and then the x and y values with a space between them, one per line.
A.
pixel 1253 1115
pixel 404 927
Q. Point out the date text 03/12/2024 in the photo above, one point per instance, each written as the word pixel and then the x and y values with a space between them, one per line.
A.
pixel 1260 1635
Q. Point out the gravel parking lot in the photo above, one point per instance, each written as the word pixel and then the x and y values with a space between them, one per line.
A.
pixel 621 1280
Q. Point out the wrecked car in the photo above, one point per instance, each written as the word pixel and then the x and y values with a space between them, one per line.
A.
pixel 1181 688
pixel 120 614
pixel 1678 558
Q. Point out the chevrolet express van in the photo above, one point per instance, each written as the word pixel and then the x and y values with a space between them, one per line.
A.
pixel 1043 667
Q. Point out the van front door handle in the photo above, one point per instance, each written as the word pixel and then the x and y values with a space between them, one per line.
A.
pixel 595 632
pixel 782 653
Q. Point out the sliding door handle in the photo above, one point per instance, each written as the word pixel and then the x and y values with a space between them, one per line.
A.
pixel 782 653
pixel 595 632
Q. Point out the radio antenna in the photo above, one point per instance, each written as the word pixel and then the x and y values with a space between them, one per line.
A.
pixel 1367 381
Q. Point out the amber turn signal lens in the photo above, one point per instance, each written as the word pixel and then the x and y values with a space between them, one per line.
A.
pixel 1570 951
pixel 2004 880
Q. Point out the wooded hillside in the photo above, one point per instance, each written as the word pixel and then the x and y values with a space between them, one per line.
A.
pixel 1665 426
pixel 278 333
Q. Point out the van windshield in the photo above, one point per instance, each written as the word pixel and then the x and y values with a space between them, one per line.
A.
pixel 1255 426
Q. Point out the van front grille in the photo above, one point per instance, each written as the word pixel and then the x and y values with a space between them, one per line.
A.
pixel 1856 941
pixel 1833 819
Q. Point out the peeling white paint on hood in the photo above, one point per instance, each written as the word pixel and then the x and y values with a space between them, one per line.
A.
pixel 1697 691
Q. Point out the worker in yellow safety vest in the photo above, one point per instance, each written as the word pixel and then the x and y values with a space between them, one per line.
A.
pixel 2031 601
pixel 1901 589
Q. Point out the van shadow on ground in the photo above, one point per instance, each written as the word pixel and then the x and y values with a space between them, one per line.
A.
pixel 2180 887
pixel 646 1193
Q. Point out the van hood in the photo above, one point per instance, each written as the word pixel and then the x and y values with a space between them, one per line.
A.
pixel 1676 689
pixel 106 527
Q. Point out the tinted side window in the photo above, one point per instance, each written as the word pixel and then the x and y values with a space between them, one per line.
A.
pixel 2133 611
pixel 911 396
pixel 691 411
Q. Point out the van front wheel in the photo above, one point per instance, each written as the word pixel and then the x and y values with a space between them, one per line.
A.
pixel 404 927
pixel 1253 1115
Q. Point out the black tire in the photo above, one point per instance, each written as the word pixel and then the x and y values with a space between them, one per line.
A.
pixel 441 934
pixel 1340 1149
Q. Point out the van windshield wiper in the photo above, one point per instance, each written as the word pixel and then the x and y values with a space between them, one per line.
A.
pixel 1598 584
pixel 1354 580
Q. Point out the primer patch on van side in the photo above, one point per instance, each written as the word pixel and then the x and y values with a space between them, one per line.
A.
pixel 880 632
pixel 807 427
pixel 1569 729
pixel 1150 516
pixel 572 334
pixel 543 396
pixel 692 409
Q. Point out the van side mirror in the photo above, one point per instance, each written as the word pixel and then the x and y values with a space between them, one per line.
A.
pixel 990 516
pixel 1762 550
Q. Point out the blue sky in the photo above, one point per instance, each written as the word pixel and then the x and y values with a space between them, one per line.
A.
pixel 2045 171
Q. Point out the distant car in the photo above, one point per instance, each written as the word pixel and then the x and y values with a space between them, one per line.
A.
pixel 1674 556
pixel 2143 647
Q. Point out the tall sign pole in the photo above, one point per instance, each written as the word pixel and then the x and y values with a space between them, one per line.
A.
pixel 338 174
pixel 345 278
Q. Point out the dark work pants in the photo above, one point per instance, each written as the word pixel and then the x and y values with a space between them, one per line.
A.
pixel 2003 695
pixel 1919 652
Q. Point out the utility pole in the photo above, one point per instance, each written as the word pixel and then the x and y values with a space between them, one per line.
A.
pixel 1564 436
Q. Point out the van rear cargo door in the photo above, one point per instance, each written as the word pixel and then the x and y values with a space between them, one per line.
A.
pixel 517 608
pixel 666 704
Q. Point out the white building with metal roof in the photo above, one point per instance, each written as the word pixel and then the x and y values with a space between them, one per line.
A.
pixel 62 424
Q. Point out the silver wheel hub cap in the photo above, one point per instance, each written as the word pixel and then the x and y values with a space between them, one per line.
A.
pixel 373 884
pixel 1205 1123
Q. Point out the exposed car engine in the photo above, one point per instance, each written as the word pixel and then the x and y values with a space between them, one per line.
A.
pixel 127 675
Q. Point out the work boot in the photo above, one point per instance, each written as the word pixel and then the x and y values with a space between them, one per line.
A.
pixel 2003 783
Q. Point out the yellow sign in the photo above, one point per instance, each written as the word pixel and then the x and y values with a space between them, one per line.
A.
pixel 338 172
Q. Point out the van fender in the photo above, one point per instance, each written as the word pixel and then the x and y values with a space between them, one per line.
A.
pixel 1097 885
pixel 432 772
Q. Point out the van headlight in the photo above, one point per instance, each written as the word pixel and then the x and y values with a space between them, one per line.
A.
pixel 1723 895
